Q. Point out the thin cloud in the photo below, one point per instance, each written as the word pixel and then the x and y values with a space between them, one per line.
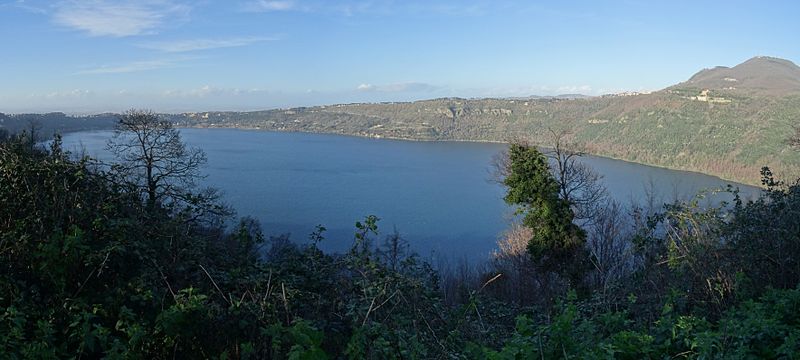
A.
pixel 453 10
pixel 211 91
pixel 75 93
pixel 135 66
pixel 526 91
pixel 346 8
pixel 373 7
pixel 363 7
pixel 267 5
pixel 398 87
pixel 203 44
pixel 575 89
pixel 25 6
pixel 118 18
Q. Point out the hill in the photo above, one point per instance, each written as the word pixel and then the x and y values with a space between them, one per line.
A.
pixel 727 122
pixel 91 269
pixel 760 75
pixel 703 124
pixel 48 124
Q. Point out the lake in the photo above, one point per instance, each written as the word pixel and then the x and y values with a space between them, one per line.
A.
pixel 436 194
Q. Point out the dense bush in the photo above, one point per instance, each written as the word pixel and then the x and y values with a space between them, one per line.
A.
pixel 765 328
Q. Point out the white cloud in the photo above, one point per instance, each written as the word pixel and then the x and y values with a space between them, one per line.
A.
pixel 25 6
pixel 118 18
pixel 75 93
pixel 134 66
pixel 575 89
pixel 372 7
pixel 339 7
pixel 458 9
pixel 269 5
pixel 204 91
pixel 203 44
pixel 398 87
pixel 510 91
pixel 209 90
pixel 525 91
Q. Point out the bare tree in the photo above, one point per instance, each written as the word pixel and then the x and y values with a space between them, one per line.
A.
pixel 154 159
pixel 610 246
pixel 393 250
pixel 31 133
pixel 513 261
pixel 578 183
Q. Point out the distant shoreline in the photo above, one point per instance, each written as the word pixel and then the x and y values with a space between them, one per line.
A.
pixel 733 182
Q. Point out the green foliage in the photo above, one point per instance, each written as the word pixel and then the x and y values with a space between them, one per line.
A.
pixel 666 128
pixel 557 244
pixel 299 341
pixel 88 271
pixel 763 328
pixel 766 235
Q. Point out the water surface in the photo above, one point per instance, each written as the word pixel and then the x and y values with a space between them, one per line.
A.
pixel 436 194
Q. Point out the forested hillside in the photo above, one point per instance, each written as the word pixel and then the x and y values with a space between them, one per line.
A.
pixel 45 125
pixel 729 128
pixel 723 121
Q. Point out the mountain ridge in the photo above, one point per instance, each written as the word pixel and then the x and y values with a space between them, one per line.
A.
pixel 763 75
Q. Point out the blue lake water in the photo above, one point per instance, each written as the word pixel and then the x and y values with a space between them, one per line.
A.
pixel 436 194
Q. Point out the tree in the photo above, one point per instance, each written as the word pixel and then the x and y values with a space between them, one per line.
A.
pixel 609 246
pixel 578 184
pixel 34 127
pixel 557 244
pixel 154 160
pixel 520 283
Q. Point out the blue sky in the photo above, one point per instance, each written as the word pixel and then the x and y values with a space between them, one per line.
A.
pixel 173 55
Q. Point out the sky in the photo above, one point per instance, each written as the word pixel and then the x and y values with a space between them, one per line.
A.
pixel 172 55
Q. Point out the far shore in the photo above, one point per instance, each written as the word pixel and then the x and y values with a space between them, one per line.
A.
pixel 734 182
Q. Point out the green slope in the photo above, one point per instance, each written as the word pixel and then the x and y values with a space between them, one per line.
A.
pixel 723 121
pixel 732 140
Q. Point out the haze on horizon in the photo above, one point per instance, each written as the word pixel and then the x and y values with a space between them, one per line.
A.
pixel 171 55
